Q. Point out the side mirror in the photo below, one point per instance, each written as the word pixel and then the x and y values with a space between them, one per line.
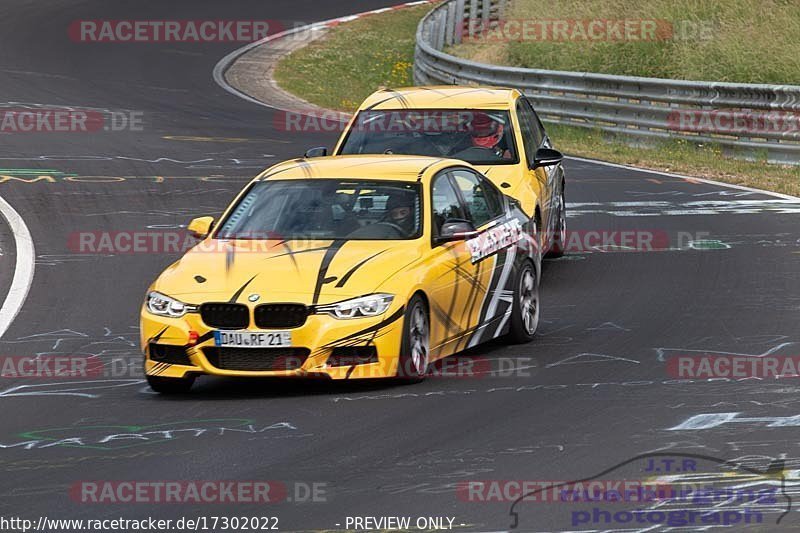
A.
pixel 319 151
pixel 200 227
pixel 456 229
pixel 547 157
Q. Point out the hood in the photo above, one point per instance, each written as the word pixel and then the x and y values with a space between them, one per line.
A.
pixel 311 272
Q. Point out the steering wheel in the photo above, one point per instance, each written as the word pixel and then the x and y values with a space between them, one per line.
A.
pixel 400 231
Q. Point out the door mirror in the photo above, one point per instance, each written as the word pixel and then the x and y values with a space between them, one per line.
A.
pixel 319 151
pixel 200 227
pixel 547 157
pixel 456 229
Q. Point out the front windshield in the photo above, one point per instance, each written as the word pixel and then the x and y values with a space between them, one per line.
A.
pixel 476 136
pixel 326 209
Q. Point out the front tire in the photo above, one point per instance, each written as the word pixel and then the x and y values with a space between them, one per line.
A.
pixel 170 385
pixel 525 309
pixel 415 346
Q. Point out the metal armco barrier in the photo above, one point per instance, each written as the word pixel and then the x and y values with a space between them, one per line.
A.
pixel 748 120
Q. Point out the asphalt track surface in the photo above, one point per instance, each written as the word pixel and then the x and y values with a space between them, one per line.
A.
pixel 590 392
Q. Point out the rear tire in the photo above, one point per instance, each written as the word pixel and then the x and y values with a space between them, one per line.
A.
pixel 525 309
pixel 415 346
pixel 559 243
pixel 170 385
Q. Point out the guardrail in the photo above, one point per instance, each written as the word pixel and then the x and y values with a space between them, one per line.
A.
pixel 747 120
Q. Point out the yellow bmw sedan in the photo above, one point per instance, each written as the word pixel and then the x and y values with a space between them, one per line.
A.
pixel 345 267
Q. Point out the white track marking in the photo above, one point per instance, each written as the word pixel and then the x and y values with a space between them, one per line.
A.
pixel 685 177
pixel 23 270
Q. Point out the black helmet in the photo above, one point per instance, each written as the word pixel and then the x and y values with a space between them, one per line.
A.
pixel 400 199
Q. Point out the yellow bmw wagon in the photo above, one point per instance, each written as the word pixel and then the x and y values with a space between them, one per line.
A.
pixel 345 267
pixel 495 129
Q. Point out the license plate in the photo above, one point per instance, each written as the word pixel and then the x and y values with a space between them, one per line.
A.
pixel 252 339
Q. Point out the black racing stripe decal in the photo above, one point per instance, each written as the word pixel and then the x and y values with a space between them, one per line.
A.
pixel 158 335
pixel 395 96
pixel 455 294
pixel 426 167
pixel 352 271
pixel 477 287
pixel 280 170
pixel 493 282
pixel 467 276
pixel 290 252
pixel 447 320
pixel 306 167
pixel 241 289
pixel 330 253
pixel 204 337
pixel 403 99
pixel 230 256
pixel 466 92
pixel 462 273
pixel 159 368
pixel 431 89
pixel 295 252
pixel 419 158
pixel 397 315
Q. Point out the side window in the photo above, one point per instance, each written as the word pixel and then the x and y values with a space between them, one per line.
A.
pixel 445 202
pixel 529 139
pixel 536 124
pixel 482 200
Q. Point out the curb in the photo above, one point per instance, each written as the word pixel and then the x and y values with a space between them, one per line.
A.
pixel 247 71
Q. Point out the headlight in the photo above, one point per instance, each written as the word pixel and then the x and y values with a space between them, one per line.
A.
pixel 372 305
pixel 162 305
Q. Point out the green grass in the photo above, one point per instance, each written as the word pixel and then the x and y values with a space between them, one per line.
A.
pixel 356 58
pixel 747 41
pixel 677 156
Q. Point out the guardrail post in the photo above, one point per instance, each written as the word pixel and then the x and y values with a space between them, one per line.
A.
pixel 501 9
pixel 486 11
pixel 441 27
pixel 450 28
pixel 473 16
pixel 459 30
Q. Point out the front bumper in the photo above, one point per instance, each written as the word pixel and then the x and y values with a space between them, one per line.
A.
pixel 318 338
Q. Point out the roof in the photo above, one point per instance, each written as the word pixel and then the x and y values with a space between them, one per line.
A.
pixel 389 167
pixel 442 97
